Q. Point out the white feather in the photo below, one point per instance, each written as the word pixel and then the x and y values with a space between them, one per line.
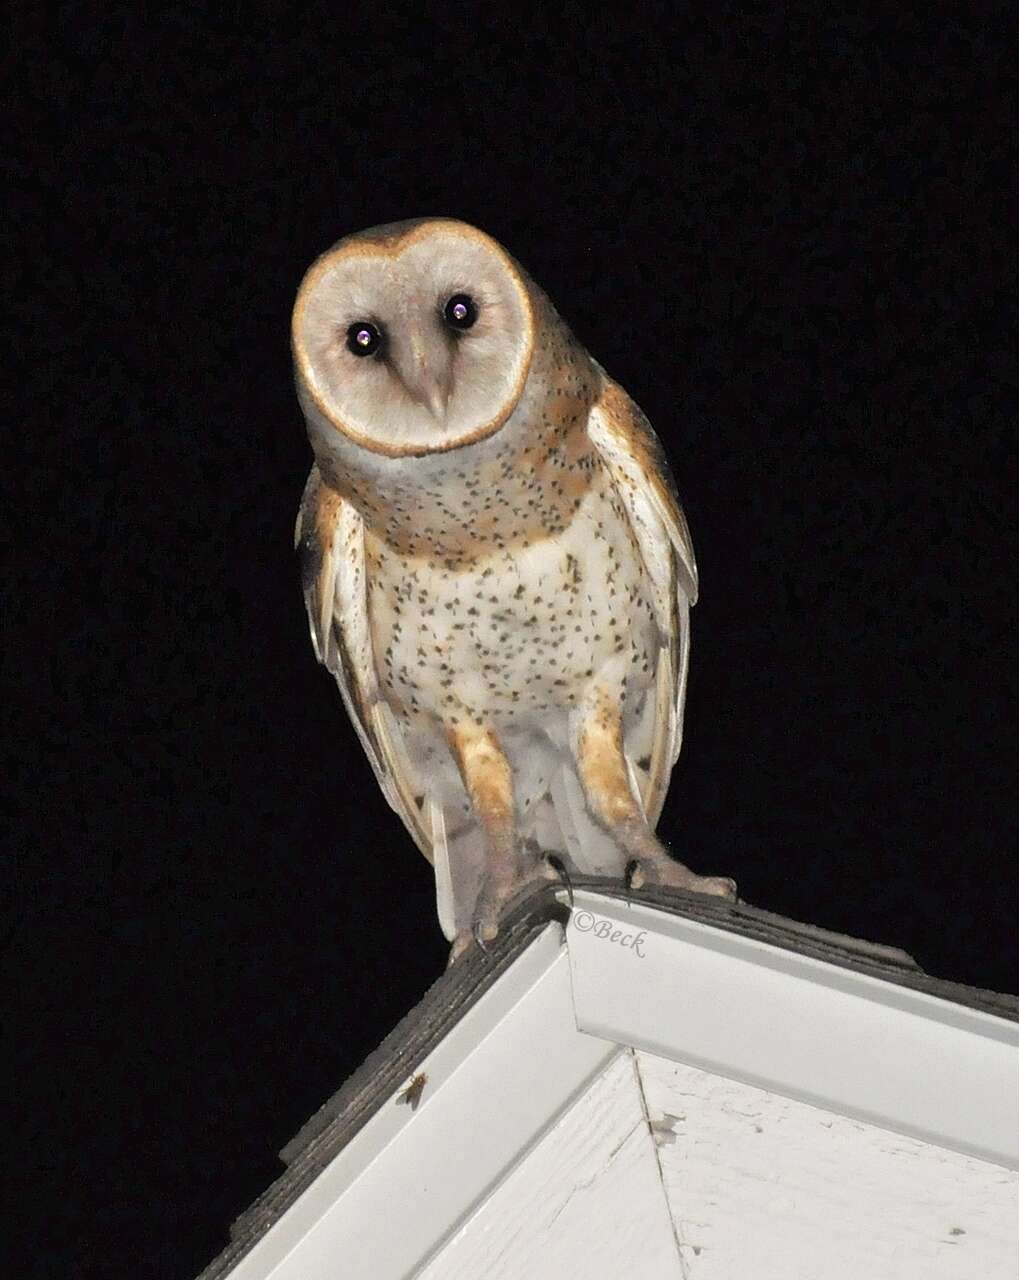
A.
pixel 444 897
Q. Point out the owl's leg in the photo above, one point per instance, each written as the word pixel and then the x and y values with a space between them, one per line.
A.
pixel 509 865
pixel 598 749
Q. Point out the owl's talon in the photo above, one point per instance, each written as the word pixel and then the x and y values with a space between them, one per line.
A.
pixel 559 867
pixel 632 875
pixel 461 945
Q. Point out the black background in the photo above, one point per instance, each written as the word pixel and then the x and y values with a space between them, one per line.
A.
pixel 791 241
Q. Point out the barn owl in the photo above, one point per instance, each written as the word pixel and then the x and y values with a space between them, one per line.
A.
pixel 496 569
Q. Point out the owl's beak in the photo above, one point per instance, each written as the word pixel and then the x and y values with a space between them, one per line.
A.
pixel 425 374
pixel 433 398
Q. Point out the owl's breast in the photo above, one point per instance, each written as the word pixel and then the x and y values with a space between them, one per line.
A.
pixel 520 631
pixel 522 485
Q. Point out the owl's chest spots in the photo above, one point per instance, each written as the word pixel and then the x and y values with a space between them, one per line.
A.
pixel 522 628
pixel 456 508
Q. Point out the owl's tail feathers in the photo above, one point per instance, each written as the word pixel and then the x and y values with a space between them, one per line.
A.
pixel 563 824
pixel 459 858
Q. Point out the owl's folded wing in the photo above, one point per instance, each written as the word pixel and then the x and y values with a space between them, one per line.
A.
pixel 640 473
pixel 329 538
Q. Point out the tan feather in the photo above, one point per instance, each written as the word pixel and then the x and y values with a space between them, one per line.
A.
pixel 398 787
pixel 630 450
pixel 444 889
pixel 330 537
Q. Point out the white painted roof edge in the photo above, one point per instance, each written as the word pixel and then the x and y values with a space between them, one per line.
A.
pixel 632 973
pixel 387 1201
pixel 847 1041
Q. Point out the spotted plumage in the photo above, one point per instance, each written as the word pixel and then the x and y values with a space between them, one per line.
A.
pixel 496 567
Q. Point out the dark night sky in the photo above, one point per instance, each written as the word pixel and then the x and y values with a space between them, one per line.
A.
pixel 791 242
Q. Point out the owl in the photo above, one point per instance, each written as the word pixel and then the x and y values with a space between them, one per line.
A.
pixel 496 569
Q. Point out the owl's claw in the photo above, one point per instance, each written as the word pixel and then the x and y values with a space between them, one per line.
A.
pixel 462 944
pixel 499 890
pixel 559 867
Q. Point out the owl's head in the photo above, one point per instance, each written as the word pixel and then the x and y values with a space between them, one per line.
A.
pixel 413 338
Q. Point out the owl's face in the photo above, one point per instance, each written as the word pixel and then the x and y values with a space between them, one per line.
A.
pixel 413 338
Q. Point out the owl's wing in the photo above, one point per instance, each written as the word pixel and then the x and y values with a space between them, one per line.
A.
pixel 329 538
pixel 640 473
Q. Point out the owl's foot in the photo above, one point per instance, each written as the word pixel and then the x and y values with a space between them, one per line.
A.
pixel 669 872
pixel 650 863
pixel 605 775
pixel 661 869
pixel 496 891
pixel 499 888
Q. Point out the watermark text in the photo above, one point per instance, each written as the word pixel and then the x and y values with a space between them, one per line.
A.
pixel 608 931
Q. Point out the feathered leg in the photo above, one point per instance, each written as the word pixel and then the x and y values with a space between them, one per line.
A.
pixel 601 763
pixel 509 865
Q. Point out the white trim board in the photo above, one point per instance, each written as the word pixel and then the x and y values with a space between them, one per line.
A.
pixel 587 1201
pixel 812 1031
pixel 512 1040
pixel 495 1083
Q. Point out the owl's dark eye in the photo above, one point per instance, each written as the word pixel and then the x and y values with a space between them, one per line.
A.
pixel 364 338
pixel 460 311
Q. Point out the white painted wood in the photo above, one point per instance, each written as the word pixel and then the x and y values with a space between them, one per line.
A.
pixel 851 1043
pixel 765 1187
pixel 588 1200
pixel 775 1082
pixel 496 1082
